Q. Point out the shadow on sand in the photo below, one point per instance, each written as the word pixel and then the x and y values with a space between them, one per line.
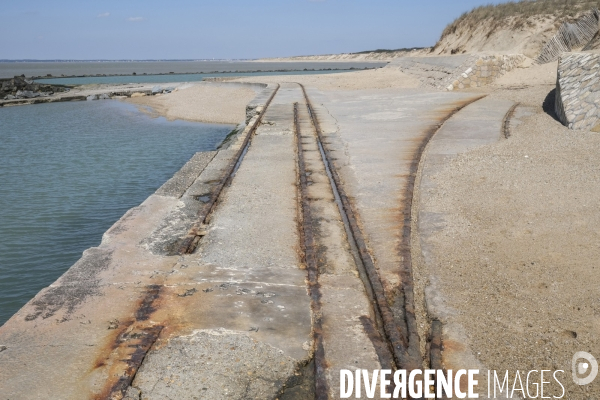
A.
pixel 548 105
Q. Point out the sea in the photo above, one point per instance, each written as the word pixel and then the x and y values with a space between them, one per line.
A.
pixel 60 69
pixel 68 171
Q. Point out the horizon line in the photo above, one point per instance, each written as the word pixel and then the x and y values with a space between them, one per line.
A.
pixel 120 60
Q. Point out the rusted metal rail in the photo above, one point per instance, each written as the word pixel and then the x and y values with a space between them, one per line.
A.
pixel 137 336
pixel 189 244
pixel 310 259
pixel 506 122
pixel 394 334
pixel 401 333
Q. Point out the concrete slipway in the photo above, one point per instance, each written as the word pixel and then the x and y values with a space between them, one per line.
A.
pixel 136 318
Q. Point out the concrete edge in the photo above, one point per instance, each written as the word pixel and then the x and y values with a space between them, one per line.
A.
pixel 175 188
pixel 478 124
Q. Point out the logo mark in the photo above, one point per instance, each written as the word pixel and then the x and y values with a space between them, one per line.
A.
pixel 579 368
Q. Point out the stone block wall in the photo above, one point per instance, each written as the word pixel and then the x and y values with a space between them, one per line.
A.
pixel 485 70
pixel 577 102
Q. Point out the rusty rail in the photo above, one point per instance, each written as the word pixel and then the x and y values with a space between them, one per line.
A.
pixel 401 333
pixel 393 333
pixel 189 244
pixel 435 350
pixel 506 121
pixel 310 259
pixel 127 351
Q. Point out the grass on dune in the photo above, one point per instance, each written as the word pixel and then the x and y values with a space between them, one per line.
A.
pixel 520 13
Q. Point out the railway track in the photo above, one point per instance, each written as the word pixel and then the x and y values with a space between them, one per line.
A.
pixel 280 216
pixel 390 323
pixel 188 245
pixel 396 345
pixel 394 331
pixel 400 349
pixel 393 336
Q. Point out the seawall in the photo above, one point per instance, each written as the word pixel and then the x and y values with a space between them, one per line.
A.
pixel 95 319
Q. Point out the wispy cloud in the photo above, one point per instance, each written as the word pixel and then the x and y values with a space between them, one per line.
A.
pixel 135 19
pixel 103 15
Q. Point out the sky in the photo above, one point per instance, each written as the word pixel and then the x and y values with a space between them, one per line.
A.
pixel 220 29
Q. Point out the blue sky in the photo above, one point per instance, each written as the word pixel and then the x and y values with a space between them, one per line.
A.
pixel 185 29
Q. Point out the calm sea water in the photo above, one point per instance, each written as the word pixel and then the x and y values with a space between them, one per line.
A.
pixel 70 170
pixel 10 69
pixel 168 78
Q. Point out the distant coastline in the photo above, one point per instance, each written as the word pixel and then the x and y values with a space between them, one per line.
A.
pixel 74 68
pixel 203 73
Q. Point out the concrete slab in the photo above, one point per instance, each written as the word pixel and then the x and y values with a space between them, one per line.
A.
pixel 86 334
pixel 350 335
pixel 374 139
pixel 478 124
pixel 251 300
pixel 233 320
pixel 67 336
pixel 187 175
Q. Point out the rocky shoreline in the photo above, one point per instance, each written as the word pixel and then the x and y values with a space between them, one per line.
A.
pixel 34 93
pixel 20 87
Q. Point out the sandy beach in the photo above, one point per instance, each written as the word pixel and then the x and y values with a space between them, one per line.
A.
pixel 226 103
pixel 201 102
pixel 517 254
pixel 382 78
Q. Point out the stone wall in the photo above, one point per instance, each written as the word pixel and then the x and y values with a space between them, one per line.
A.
pixel 577 99
pixel 485 70
pixel 434 72
pixel 457 71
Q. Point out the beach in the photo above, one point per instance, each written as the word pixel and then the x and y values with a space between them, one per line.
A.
pixel 464 217
pixel 539 150
pixel 300 201
pixel 202 102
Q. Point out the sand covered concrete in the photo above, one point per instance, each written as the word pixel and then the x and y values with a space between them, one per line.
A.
pixel 539 74
pixel 225 101
pixel 382 78
pixel 201 102
pixel 516 259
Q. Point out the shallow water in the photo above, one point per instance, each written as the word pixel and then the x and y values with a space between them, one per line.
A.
pixel 70 170
pixel 10 69
pixel 86 80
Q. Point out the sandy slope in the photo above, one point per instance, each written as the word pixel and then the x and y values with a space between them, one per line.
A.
pixel 371 56
pixel 512 36
pixel 544 74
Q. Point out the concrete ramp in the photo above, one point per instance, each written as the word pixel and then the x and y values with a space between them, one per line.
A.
pixel 259 271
